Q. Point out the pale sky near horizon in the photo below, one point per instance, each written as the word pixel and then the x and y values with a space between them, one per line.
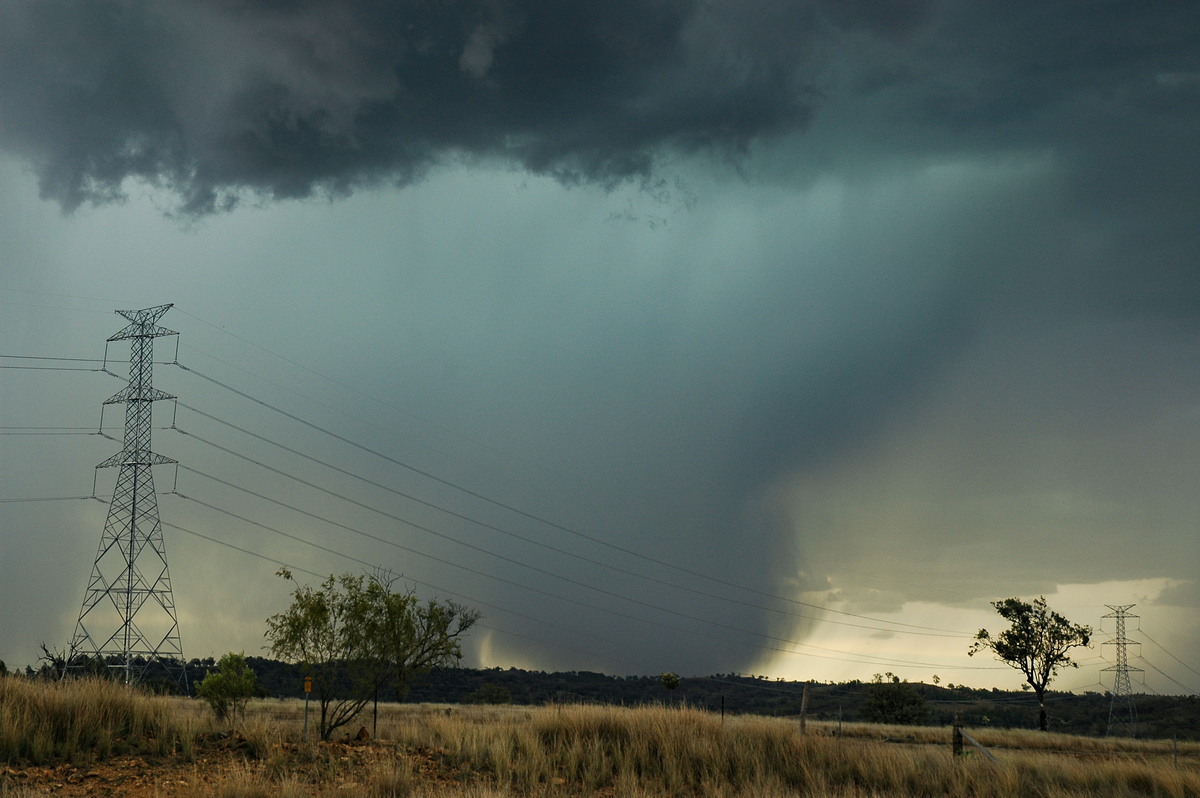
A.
pixel 693 337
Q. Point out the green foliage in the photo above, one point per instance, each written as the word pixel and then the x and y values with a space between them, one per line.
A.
pixel 418 636
pixel 488 694
pixel 330 631
pixel 1036 643
pixel 229 687
pixel 893 701
pixel 669 680
pixel 353 631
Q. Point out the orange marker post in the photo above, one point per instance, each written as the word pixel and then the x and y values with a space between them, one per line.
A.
pixel 307 690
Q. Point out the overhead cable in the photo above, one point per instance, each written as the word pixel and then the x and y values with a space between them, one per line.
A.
pixel 539 519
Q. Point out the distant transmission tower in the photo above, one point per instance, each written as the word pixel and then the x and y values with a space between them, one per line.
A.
pixel 1122 717
pixel 127 622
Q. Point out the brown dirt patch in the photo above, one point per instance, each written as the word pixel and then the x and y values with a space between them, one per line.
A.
pixel 333 767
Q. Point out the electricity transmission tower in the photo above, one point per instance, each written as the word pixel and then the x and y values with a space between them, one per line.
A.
pixel 1122 717
pixel 127 622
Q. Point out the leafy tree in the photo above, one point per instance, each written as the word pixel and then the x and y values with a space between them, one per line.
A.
pixel 1036 643
pixel 332 632
pixel 893 701
pixel 355 631
pixel 669 680
pixel 418 636
pixel 229 687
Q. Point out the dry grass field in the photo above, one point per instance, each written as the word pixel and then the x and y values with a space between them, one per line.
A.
pixel 94 739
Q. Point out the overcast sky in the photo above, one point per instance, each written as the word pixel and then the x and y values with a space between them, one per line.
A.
pixel 776 338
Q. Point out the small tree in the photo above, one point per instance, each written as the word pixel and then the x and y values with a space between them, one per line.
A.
pixel 352 632
pixel 332 632
pixel 418 636
pixel 893 701
pixel 1036 643
pixel 229 687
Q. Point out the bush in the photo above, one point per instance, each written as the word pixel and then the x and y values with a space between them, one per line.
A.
pixel 893 701
pixel 488 694
pixel 229 687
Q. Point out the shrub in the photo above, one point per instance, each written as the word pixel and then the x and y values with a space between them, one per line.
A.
pixel 893 701
pixel 488 694
pixel 229 687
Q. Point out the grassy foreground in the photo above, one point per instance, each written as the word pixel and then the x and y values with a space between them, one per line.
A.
pixel 74 738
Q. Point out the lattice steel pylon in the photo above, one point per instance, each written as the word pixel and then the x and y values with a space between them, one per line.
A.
pixel 1122 716
pixel 127 621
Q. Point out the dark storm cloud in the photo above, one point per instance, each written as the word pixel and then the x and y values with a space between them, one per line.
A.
pixel 1112 92
pixel 210 97
pixel 1012 71
pixel 947 167
pixel 215 97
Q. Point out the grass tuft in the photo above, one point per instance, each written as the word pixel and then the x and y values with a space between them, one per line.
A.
pixel 79 720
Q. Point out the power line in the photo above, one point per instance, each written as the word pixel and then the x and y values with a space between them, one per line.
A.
pixel 503 531
pixel 566 529
pixel 67 359
pixel 43 433
pixel 47 499
pixel 474 601
pixel 539 519
pixel 341 384
pixel 1142 632
pixel 1160 672
pixel 400 519
pixel 226 544
pixel 870 659
pixel 47 368
pixel 47 428
pixel 63 296
pixel 410 550
pixel 919 629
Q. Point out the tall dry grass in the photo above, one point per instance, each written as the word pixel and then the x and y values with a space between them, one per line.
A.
pixel 443 752
pixel 85 719
pixel 683 752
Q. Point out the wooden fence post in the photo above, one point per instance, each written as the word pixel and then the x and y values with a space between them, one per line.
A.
pixel 804 707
